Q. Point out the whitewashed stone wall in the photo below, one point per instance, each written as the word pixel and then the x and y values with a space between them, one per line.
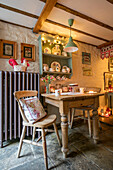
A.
pixel 19 35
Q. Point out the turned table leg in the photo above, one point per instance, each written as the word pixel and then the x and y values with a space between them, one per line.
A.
pixel 95 121
pixel 64 127
pixel 95 126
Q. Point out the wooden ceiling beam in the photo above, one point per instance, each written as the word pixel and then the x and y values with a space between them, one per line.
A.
pixel 76 30
pixel 18 11
pixel 110 1
pixel 44 14
pixel 105 44
pixel 7 22
pixel 49 21
pixel 83 16
pixel 18 25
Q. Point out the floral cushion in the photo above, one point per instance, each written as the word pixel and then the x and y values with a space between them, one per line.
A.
pixel 33 109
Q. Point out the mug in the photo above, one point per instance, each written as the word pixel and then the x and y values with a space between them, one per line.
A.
pixel 57 92
pixel 81 90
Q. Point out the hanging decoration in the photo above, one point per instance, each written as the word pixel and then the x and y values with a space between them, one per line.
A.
pixel 106 52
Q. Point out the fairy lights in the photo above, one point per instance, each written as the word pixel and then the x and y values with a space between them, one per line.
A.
pixel 53 39
pixel 43 38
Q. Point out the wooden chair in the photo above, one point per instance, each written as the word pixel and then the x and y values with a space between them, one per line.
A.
pixel 42 124
pixel 88 109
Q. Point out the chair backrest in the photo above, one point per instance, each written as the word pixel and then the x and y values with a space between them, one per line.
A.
pixel 20 94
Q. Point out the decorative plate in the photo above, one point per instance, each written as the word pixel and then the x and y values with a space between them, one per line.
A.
pixel 56 50
pixel 55 64
pixel 47 50
pixel 64 67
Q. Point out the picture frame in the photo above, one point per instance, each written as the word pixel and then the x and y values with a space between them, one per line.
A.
pixel 110 64
pixel 87 71
pixel 86 58
pixel 28 51
pixel 8 49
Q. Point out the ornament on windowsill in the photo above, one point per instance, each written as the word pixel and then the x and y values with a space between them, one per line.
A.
pixel 101 112
pixel 104 111
pixel 110 89
pixel 108 112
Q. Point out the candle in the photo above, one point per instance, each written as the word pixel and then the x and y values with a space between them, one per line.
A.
pixel 107 114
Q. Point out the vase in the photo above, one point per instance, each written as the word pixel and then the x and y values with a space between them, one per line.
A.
pixel 47 89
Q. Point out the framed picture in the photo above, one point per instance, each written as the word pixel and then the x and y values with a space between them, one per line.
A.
pixel 28 51
pixel 8 49
pixel 110 64
pixel 87 71
pixel 86 58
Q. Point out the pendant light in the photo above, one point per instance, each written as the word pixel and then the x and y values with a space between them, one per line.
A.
pixel 71 46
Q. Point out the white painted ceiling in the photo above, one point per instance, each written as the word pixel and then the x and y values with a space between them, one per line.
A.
pixel 100 10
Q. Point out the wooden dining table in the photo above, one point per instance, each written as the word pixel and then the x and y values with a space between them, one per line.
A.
pixel 67 101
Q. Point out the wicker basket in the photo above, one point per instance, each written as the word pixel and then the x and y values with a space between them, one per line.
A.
pixel 20 68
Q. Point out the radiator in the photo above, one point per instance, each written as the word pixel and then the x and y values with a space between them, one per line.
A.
pixel 10 118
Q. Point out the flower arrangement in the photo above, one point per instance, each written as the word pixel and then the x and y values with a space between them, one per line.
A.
pixel 47 80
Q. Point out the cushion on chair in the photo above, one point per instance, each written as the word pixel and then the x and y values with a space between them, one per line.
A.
pixel 33 109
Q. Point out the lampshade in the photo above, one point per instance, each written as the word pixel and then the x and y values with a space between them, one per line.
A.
pixel 71 46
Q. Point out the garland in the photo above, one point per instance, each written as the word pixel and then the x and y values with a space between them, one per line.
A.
pixel 106 52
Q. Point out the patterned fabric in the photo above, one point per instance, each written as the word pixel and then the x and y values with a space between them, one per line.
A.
pixel 33 109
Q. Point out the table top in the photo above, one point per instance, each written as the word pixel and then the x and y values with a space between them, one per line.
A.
pixel 70 95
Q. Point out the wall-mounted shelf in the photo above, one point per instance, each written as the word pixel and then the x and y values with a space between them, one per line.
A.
pixel 45 58
pixel 53 72
pixel 57 56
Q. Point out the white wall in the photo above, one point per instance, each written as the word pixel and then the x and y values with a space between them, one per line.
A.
pixel 98 66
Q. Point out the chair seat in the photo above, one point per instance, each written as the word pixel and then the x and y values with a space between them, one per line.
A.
pixel 46 121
